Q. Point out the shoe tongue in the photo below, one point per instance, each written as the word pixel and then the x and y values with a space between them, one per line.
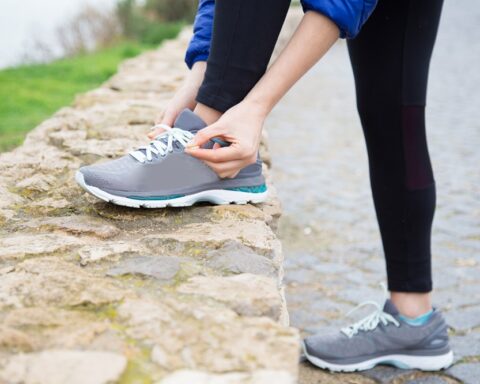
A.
pixel 189 121
pixel 186 120
pixel 390 308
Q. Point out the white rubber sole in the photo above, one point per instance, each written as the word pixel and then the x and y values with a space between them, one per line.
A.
pixel 423 363
pixel 214 196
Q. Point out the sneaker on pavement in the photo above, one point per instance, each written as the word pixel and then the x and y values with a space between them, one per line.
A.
pixel 162 174
pixel 383 337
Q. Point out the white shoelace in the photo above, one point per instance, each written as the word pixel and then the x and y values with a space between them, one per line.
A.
pixel 370 322
pixel 163 143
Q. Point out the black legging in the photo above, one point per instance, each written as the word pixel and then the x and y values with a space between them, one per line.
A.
pixel 390 59
pixel 244 35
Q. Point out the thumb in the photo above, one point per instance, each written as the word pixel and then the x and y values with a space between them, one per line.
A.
pixel 205 134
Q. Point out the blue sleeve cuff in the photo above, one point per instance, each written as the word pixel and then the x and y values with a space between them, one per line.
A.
pixel 348 15
pixel 199 46
pixel 192 58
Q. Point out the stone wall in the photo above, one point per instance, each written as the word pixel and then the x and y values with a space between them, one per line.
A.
pixel 94 293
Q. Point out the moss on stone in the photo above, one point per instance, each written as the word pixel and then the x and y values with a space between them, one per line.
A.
pixel 38 211
pixel 108 311
pixel 134 374
pixel 140 368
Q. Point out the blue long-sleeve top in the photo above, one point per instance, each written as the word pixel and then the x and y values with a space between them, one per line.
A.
pixel 348 15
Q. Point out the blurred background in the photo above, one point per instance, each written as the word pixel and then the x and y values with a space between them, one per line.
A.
pixel 51 50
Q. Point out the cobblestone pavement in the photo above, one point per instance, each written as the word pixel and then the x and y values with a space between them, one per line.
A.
pixel 331 242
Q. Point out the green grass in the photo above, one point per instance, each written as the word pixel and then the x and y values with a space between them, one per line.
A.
pixel 29 94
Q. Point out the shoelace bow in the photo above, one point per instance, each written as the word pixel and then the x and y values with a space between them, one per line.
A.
pixel 163 143
pixel 370 322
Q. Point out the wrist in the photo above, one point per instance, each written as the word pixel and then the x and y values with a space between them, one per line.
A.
pixel 258 106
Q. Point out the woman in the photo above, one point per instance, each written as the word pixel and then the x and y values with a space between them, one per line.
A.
pixel 231 91
pixel 390 58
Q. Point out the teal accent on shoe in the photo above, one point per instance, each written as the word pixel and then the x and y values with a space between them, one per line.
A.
pixel 417 321
pixel 253 189
pixel 221 142
pixel 166 197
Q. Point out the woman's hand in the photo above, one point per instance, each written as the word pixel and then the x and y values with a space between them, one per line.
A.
pixel 241 126
pixel 184 98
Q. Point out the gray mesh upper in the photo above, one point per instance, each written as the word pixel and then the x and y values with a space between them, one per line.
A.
pixel 428 339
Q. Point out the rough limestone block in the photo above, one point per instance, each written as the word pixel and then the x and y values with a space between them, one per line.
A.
pixel 64 366
pixel 257 377
pixel 259 294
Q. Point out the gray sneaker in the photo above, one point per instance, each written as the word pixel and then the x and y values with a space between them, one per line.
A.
pixel 162 174
pixel 383 338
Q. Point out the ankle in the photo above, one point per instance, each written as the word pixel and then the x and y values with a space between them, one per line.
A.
pixel 412 305
pixel 207 114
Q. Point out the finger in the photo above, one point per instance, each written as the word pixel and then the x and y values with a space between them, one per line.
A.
pixel 216 146
pixel 219 155
pixel 157 131
pixel 169 118
pixel 152 134
pixel 205 134
pixel 229 169
pixel 159 118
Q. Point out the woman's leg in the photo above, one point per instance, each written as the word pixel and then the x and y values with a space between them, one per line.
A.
pixel 390 60
pixel 244 36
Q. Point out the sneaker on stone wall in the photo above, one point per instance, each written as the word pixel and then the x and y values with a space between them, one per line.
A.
pixel 162 174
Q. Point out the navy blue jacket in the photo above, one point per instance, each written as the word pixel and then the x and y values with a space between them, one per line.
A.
pixel 348 15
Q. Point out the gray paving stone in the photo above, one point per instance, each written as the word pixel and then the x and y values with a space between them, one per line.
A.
pixel 359 293
pixel 464 346
pixel 358 277
pixel 385 375
pixel 328 305
pixel 450 299
pixel 306 259
pixel 463 318
pixel 304 297
pixel 302 318
pixel 468 373
pixel 427 380
pixel 444 280
pixel 300 276
pixel 332 268
pixel 318 148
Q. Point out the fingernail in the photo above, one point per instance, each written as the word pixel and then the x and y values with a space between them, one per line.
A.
pixel 192 147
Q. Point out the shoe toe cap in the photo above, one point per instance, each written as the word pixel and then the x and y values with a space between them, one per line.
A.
pixel 314 347
pixel 114 174
pixel 94 177
pixel 327 346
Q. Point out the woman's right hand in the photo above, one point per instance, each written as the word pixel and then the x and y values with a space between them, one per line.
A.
pixel 184 98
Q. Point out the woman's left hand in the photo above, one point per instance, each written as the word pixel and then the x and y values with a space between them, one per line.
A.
pixel 241 126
